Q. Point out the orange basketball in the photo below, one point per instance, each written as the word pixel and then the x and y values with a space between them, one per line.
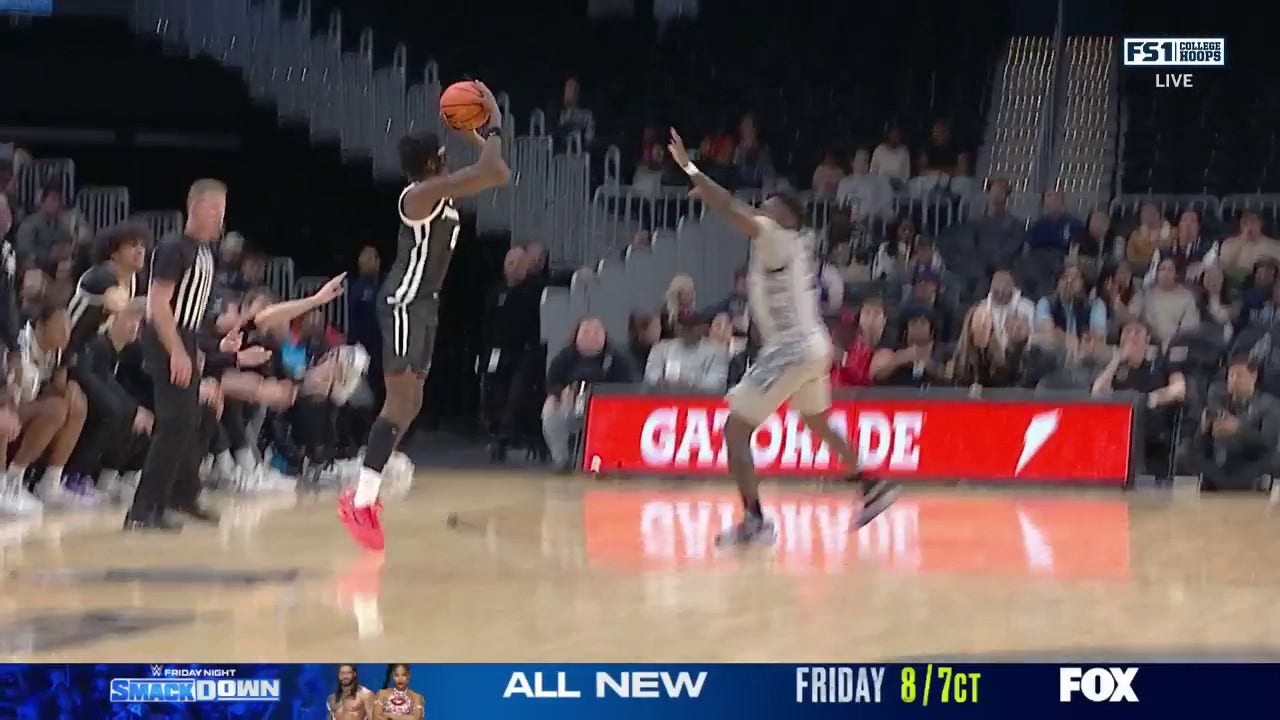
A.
pixel 462 106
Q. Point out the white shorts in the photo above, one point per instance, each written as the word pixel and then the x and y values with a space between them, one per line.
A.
pixel 783 375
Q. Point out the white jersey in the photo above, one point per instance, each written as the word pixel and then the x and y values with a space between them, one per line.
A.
pixel 782 290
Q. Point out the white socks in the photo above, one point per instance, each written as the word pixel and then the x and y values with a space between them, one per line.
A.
pixel 246 459
pixel 132 478
pixel 225 464
pixel 367 487
pixel 108 480
pixel 52 475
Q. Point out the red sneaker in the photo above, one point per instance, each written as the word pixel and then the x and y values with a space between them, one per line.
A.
pixel 362 522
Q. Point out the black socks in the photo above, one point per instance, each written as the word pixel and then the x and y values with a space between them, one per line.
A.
pixel 382 442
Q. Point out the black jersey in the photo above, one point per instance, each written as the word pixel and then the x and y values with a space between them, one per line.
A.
pixel 423 251
pixel 86 309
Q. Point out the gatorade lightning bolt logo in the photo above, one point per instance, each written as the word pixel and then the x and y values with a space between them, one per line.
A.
pixel 1039 430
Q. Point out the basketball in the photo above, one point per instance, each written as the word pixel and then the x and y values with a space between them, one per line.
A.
pixel 462 106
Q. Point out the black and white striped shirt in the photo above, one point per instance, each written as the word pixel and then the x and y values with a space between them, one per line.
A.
pixel 188 264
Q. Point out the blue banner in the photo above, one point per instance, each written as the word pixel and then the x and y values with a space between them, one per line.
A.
pixel 676 692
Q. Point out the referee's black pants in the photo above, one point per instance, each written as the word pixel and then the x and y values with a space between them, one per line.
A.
pixel 174 435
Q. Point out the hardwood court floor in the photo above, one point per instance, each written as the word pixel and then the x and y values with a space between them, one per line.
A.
pixel 543 569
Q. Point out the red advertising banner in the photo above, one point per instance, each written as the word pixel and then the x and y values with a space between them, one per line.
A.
pixel 1065 538
pixel 1026 441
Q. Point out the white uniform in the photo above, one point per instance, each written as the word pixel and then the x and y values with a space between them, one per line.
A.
pixel 794 363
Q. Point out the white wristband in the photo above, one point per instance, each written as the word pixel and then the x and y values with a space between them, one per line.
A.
pixel 690 169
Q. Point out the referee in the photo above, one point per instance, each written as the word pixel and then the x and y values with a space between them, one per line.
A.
pixel 182 272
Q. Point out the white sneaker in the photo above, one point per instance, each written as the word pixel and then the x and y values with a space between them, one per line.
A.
pixel 207 476
pixel 52 492
pixel 16 500
pixel 276 481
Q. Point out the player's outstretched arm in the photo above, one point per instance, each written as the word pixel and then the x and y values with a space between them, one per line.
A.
pixel 721 201
pixel 488 171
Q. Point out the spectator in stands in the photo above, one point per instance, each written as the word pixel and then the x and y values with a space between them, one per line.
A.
pixel 859 337
pixel 651 167
pixel 1215 302
pixel 751 157
pixel 642 240
pixel 362 298
pixel 535 257
pixel 1241 252
pixel 981 359
pixel 1239 432
pixel 1259 287
pixel 1152 230
pixel 590 358
pixel 643 332
pixel 1189 251
pixel 1169 307
pixel 253 270
pixel 6 218
pixel 891 158
pixel 1139 367
pixel 9 189
pixel 1005 300
pixel 44 228
pixel 230 257
pixel 735 304
pixel 827 176
pixel 1118 291
pixel 1094 248
pixel 1064 316
pixel 511 324
pixel 1057 231
pixel 680 297
pixel 573 117
pixel 925 294
pixel 869 195
pixel 691 362
pixel 915 358
pixel 942 165
pixel 997 236
pixel 830 285
pixel 894 254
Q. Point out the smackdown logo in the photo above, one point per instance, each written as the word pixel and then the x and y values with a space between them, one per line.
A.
pixel 1175 52
pixel 149 690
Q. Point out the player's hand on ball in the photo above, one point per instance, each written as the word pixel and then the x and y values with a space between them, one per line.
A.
pixel 331 290
pixel 490 104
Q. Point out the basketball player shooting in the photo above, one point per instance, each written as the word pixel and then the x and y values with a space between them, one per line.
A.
pixel 794 364
pixel 409 300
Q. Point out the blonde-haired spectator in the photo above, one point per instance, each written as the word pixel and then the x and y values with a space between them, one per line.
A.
pixel 680 296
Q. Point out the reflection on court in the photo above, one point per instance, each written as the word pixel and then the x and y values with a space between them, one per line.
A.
pixel 542 569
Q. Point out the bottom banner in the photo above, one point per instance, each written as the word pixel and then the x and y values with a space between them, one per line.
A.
pixel 566 692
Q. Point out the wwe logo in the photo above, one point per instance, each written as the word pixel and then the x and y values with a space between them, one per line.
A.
pixel 157 670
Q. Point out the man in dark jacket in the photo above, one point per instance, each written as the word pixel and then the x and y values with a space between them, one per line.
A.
pixel 509 362
pixel 113 444
pixel 1239 432
pixel 590 359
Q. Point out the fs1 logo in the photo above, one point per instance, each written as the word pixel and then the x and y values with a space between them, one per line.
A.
pixel 1174 52
pixel 1110 684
